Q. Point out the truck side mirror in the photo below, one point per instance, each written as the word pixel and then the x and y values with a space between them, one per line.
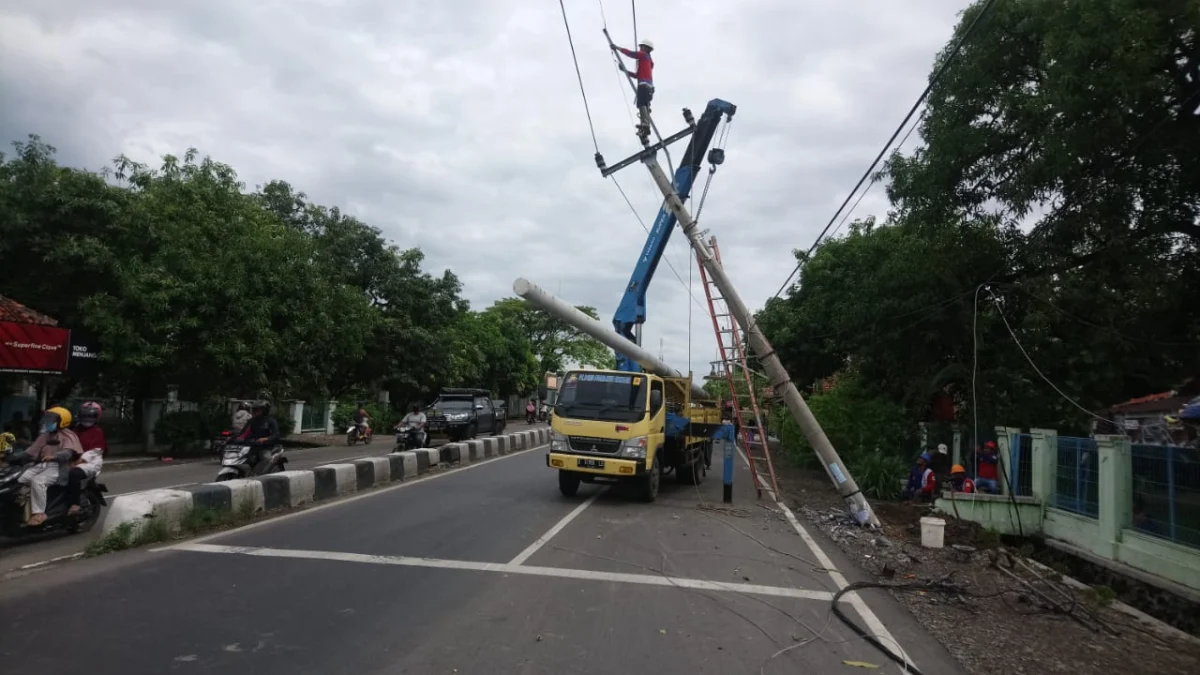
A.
pixel 656 399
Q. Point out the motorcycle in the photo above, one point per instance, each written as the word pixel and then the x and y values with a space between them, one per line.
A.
pixel 243 461
pixel 354 434
pixel 530 417
pixel 408 437
pixel 14 502
pixel 219 443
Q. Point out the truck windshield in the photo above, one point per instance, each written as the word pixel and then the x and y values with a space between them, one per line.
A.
pixel 603 396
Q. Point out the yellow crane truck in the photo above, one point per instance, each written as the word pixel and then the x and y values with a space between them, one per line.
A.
pixel 612 426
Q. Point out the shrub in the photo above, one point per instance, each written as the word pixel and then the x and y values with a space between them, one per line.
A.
pixel 873 435
pixel 185 431
pixel 383 417
pixel 878 473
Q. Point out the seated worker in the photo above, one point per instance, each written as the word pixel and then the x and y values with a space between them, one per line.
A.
pixel 95 447
pixel 921 480
pixel 959 482
pixel 987 469
pixel 55 447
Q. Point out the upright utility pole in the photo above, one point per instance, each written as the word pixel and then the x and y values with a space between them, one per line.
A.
pixel 780 381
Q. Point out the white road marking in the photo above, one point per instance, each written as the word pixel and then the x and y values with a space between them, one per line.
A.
pixel 874 625
pixel 348 500
pixel 509 568
pixel 51 561
pixel 542 540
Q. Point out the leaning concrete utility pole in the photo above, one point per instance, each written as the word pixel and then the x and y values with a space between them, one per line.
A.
pixel 779 378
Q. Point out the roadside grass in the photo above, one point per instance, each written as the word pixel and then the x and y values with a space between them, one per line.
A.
pixel 199 520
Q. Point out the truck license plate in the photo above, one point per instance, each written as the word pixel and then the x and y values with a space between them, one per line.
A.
pixel 590 463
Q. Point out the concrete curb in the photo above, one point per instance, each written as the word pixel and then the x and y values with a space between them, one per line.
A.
pixel 292 489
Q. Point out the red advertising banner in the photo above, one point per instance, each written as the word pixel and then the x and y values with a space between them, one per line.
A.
pixel 30 348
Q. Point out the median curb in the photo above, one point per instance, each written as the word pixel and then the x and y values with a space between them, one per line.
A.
pixel 294 489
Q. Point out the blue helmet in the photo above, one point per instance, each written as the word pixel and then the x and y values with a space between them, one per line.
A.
pixel 927 457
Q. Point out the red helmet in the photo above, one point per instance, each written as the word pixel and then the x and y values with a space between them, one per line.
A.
pixel 89 414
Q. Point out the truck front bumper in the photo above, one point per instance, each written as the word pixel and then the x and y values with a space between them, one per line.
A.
pixel 608 466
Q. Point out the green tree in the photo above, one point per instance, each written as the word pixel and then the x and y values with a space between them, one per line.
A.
pixel 555 343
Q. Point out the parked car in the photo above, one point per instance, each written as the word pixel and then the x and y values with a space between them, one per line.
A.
pixel 462 414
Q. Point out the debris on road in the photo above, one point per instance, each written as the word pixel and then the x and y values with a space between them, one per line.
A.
pixel 994 610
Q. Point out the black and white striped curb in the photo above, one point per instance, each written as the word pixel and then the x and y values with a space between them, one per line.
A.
pixel 290 489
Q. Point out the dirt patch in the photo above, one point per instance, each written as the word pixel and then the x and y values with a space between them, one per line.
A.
pixel 997 612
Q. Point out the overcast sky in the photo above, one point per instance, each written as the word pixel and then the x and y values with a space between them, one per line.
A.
pixel 457 126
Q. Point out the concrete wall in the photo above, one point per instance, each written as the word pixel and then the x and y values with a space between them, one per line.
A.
pixel 1108 540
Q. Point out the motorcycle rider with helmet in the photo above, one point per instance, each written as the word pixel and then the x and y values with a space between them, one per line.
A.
pixel 261 433
pixel 240 417
pixel 55 447
pixel 95 447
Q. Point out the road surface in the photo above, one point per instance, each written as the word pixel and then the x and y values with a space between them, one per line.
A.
pixel 123 481
pixel 477 571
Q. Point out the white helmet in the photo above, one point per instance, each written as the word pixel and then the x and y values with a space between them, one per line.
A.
pixel 646 43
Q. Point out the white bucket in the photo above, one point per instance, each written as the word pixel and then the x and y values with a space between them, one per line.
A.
pixel 933 532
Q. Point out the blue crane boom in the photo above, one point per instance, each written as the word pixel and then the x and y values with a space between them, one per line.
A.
pixel 631 312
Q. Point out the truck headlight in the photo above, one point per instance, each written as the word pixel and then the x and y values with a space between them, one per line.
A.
pixel 634 448
pixel 558 442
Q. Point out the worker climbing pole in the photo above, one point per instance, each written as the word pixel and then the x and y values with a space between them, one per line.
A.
pixel 644 75
pixel 674 210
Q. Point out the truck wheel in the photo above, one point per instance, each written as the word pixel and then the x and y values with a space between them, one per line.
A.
pixel 650 482
pixel 568 483
pixel 471 431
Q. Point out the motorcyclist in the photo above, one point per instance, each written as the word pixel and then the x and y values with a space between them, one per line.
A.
pixel 240 417
pixel 261 433
pixel 416 419
pixel 55 447
pixel 530 412
pixel 361 419
pixel 95 447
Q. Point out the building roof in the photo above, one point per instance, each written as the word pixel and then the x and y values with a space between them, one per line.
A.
pixel 11 310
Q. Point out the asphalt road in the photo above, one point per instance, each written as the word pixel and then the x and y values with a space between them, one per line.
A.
pixel 121 481
pixel 481 570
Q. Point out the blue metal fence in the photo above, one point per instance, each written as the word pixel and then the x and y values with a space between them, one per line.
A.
pixel 1166 493
pixel 1076 477
pixel 1020 464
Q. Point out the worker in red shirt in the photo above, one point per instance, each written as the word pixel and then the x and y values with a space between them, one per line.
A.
pixel 644 76
pixel 959 482
pixel 987 469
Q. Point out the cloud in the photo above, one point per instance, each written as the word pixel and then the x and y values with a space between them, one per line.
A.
pixel 458 126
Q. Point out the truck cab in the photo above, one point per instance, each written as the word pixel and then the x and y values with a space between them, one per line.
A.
pixel 611 426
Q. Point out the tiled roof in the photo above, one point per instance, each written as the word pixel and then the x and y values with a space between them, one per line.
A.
pixel 11 310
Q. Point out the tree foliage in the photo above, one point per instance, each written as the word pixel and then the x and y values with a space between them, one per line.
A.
pixel 1046 232
pixel 189 279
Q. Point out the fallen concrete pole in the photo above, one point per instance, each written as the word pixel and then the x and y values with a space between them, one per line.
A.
pixel 538 297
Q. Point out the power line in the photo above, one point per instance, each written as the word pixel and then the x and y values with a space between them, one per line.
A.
pixel 647 229
pixel 937 76
pixel 579 76
pixel 875 179
pixel 996 302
